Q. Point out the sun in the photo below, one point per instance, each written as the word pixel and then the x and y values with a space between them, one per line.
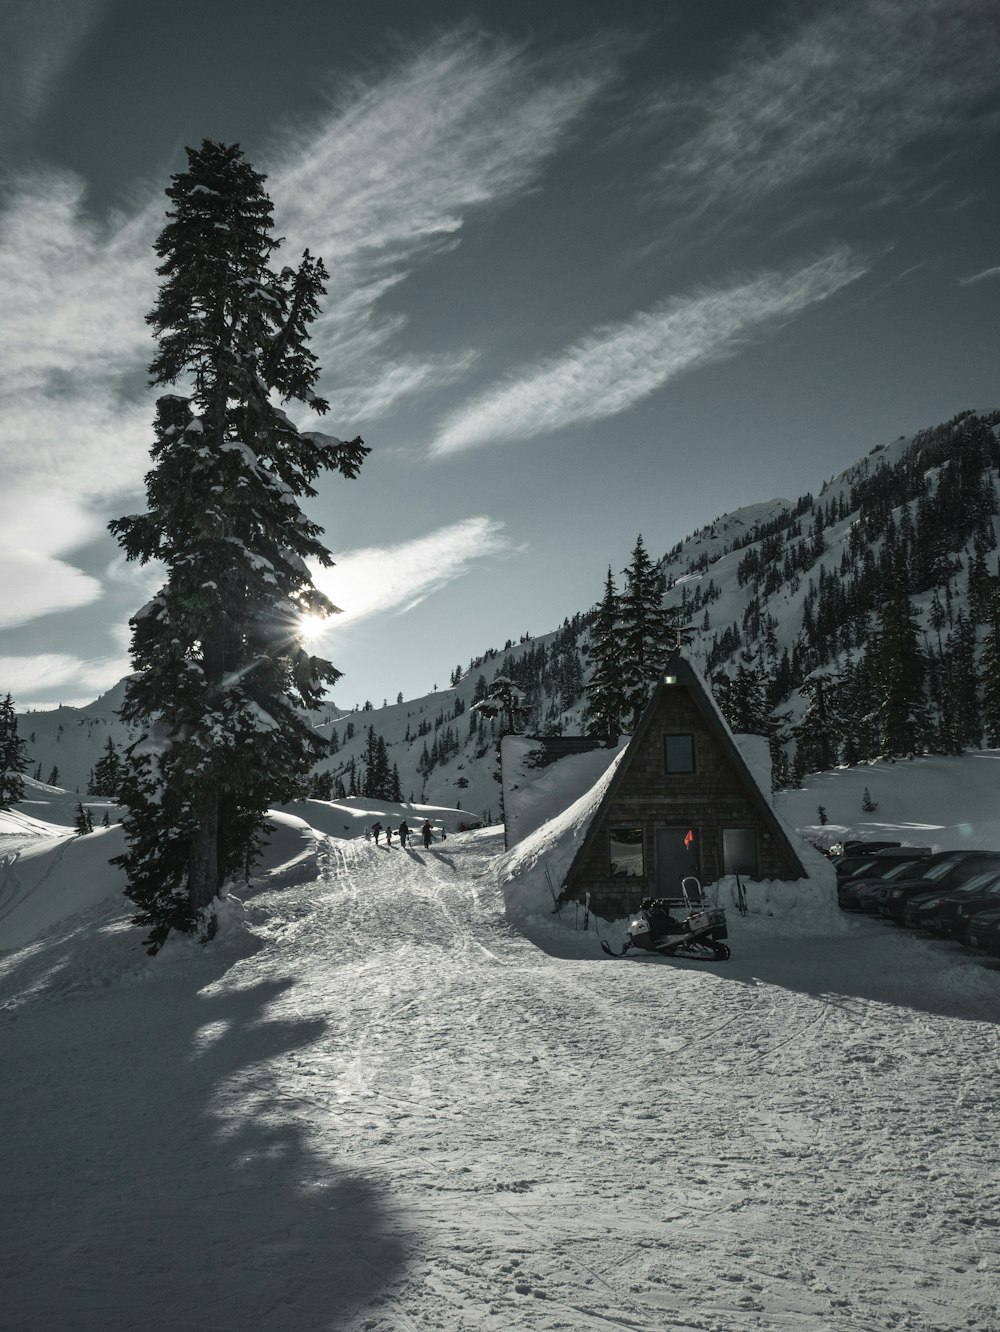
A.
pixel 310 626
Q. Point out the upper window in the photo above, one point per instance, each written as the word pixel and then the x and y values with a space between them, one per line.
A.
pixel 678 753
pixel 626 853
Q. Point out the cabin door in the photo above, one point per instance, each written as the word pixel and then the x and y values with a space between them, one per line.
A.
pixel 676 857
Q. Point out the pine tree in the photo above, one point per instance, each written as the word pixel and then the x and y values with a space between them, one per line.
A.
pixel 816 732
pixel 13 758
pixel 989 670
pixel 646 637
pixel 899 668
pixel 606 698
pixel 53 777
pixel 504 700
pixel 83 823
pixel 321 786
pixel 222 681
pixel 962 682
pixel 107 773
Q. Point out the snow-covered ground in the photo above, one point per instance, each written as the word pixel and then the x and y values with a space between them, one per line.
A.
pixel 945 803
pixel 395 1101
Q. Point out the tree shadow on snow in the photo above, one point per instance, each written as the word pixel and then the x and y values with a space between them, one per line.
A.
pixel 160 1176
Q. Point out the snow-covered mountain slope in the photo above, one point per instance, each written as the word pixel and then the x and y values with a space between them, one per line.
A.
pixel 796 586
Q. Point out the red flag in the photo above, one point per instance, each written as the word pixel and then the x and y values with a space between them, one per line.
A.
pixel 689 839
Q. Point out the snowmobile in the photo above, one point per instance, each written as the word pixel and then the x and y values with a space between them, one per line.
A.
pixel 684 926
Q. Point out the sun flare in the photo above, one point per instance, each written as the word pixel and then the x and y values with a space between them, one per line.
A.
pixel 310 626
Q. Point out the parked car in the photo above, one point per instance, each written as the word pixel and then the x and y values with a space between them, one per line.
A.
pixel 848 866
pixel 946 871
pixel 983 932
pixel 858 892
pixel 860 847
pixel 947 912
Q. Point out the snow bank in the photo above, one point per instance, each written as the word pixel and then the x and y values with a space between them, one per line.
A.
pixel 350 817
pixel 533 796
pixel 18 823
pixel 291 854
pixel 44 884
pixel 531 874
pixel 225 925
pixel 56 876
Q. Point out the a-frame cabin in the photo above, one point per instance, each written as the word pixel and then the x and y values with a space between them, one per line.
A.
pixel 681 801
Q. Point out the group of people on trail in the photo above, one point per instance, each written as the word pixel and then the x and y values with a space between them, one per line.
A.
pixel 404 833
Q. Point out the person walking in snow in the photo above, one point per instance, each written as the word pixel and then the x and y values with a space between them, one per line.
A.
pixel 404 833
pixel 376 829
pixel 426 830
pixel 388 835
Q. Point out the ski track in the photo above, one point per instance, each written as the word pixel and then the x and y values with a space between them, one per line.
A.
pixel 594 1145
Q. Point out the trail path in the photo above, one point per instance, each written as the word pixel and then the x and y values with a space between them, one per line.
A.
pixel 400 1114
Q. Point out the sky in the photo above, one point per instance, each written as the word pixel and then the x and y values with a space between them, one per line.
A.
pixel 595 270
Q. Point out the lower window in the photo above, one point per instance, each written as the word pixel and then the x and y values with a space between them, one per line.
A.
pixel 739 851
pixel 626 853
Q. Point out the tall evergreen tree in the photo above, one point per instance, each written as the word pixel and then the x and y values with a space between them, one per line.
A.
pixel 107 773
pixel 13 756
pixel 606 698
pixel 223 684
pixel 646 637
pixel 989 669
pixel 899 669
pixel 960 692
pixel 816 734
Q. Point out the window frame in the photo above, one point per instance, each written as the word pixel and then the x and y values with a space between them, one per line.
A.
pixel 741 828
pixel 679 772
pixel 640 844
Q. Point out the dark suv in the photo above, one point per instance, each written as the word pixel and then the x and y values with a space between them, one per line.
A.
pixel 948 870
pixel 857 892
pixel 948 912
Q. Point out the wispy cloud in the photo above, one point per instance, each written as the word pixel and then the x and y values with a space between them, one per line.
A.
pixel 380 182
pixel 376 579
pixel 985 276
pixel 49 670
pixel 846 90
pixel 616 366
pixel 386 178
pixel 34 529
pixel 36 585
